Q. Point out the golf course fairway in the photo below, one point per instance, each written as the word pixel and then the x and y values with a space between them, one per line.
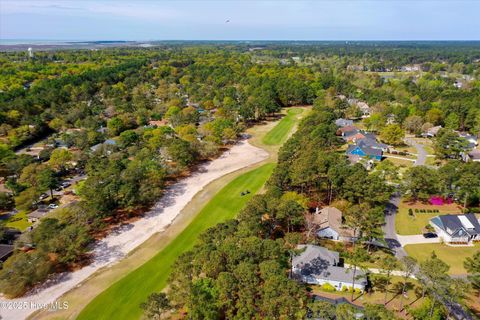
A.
pixel 280 132
pixel 122 299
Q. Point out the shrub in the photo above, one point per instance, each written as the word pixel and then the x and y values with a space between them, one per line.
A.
pixel 344 288
pixel 328 287
pixel 410 212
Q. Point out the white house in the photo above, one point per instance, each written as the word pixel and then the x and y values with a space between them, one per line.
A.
pixel 457 229
pixel 318 265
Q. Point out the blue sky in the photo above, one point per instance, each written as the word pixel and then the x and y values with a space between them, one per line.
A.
pixel 249 20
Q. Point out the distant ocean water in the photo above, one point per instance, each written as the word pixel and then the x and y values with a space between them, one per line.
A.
pixel 34 41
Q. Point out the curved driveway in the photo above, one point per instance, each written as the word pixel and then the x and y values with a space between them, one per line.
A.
pixel 421 153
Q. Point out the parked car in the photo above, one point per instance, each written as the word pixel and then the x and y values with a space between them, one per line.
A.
pixel 430 235
pixel 53 206
pixel 43 196
pixel 65 184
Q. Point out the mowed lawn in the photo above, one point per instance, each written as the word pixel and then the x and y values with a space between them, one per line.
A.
pixel 18 221
pixel 408 225
pixel 122 299
pixel 377 294
pixel 279 133
pixel 453 256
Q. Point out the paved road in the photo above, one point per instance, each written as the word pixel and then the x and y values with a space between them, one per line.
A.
pixel 421 153
pixel 389 227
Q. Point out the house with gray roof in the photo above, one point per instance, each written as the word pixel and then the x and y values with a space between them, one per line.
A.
pixel 472 140
pixel 343 122
pixel 457 229
pixel 6 250
pixel 104 145
pixel 473 155
pixel 371 142
pixel 365 151
pixel 318 265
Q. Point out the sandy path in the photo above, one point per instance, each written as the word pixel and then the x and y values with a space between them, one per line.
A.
pixel 126 238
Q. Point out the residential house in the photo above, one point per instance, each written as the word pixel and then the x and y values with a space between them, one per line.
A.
pixel 471 139
pixel 318 265
pixel 157 123
pixel 457 229
pixel 102 130
pixel 6 250
pixel 473 155
pixel 343 122
pixel 364 108
pixel 347 130
pixel 106 144
pixel 368 141
pixel 365 152
pixel 432 132
pixel 411 68
pixel 330 225
pixel 354 136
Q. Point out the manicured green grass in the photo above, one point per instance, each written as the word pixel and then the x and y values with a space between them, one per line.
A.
pixel 122 299
pixel 408 225
pixel 377 293
pixel 453 256
pixel 18 221
pixel 279 133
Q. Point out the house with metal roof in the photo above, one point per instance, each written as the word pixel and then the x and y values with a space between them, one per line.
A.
pixel 457 229
pixel 318 265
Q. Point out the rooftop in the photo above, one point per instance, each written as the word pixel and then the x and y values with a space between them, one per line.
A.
pixel 458 225
pixel 332 217
pixel 313 252
pixel 5 250
pixel 366 149
pixel 320 262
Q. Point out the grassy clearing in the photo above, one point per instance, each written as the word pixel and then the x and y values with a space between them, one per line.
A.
pixel 401 162
pixel 453 256
pixel 408 225
pixel 280 132
pixel 18 221
pixel 122 299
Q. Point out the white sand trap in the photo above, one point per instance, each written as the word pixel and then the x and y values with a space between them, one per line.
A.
pixel 124 239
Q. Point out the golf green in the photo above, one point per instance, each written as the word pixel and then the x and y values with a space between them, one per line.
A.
pixel 122 299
